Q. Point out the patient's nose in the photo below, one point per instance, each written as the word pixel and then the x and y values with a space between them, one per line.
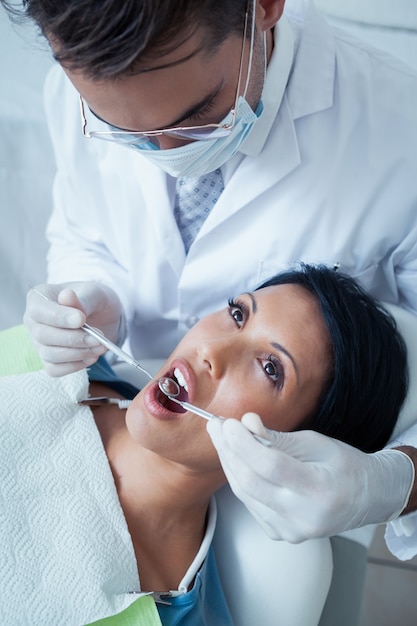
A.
pixel 217 354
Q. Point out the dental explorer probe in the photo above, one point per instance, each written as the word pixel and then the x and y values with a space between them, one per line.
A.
pixel 124 356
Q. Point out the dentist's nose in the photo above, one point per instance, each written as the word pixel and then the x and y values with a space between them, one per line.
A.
pixel 166 142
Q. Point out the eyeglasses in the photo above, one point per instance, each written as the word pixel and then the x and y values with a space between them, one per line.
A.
pixel 194 133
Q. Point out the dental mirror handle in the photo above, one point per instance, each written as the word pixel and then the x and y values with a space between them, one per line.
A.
pixel 208 416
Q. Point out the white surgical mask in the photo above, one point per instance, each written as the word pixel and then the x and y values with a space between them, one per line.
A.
pixel 201 157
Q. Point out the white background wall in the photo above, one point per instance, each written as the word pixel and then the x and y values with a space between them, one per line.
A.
pixel 26 167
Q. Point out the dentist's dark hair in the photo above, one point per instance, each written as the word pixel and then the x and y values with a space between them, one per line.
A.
pixel 107 38
pixel 369 376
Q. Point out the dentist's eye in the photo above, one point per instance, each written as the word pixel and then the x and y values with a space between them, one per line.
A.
pixel 274 371
pixel 237 311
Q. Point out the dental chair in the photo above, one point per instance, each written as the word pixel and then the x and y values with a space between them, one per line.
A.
pixel 267 583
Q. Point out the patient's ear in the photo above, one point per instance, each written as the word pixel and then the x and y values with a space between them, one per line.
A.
pixel 268 13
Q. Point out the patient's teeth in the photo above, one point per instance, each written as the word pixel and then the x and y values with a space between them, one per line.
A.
pixel 180 378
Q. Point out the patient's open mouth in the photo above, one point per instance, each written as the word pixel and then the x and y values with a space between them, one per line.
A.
pixel 164 399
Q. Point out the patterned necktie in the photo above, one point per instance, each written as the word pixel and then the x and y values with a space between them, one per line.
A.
pixel 194 199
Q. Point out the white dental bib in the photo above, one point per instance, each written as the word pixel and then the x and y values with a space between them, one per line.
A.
pixel 66 555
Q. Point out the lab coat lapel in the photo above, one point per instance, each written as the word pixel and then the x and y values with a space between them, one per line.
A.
pixel 255 175
pixel 311 88
pixel 158 203
pixel 278 158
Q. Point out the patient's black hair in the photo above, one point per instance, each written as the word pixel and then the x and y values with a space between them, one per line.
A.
pixel 369 377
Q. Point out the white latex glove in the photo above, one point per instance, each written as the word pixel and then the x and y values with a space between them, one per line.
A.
pixel 54 324
pixel 307 485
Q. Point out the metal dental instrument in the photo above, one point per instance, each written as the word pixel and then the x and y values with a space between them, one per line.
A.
pixel 205 414
pixel 124 356
pixel 100 400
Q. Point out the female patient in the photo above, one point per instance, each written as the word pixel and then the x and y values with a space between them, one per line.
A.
pixel 120 502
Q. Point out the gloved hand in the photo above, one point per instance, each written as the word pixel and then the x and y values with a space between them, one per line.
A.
pixel 54 324
pixel 307 485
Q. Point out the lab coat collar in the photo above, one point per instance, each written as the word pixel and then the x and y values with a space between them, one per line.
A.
pixel 306 67
pixel 311 86
pixel 279 156
pixel 275 83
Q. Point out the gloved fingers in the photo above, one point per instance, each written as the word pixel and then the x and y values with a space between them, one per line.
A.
pixel 306 445
pixel 61 354
pixel 270 464
pixel 48 336
pixel 276 527
pixel 100 303
pixel 68 297
pixel 291 513
pixel 270 505
pixel 292 500
pixel 254 424
pixel 63 369
pixel 246 462
pixel 50 312
pixel 215 430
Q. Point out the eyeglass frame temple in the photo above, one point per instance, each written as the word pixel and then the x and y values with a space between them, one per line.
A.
pixel 83 119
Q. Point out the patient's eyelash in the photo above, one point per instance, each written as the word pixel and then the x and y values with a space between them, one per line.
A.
pixel 274 370
pixel 238 311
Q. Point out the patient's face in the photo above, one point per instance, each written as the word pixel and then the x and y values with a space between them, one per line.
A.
pixel 267 352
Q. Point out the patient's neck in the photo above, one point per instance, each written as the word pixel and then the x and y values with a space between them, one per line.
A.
pixel 165 504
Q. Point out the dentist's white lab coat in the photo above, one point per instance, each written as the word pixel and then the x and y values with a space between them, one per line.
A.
pixel 328 175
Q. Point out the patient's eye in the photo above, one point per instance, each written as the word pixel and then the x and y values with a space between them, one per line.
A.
pixel 274 370
pixel 238 311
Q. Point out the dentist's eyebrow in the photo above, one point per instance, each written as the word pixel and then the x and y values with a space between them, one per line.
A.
pixel 193 110
pixel 275 344
pixel 199 106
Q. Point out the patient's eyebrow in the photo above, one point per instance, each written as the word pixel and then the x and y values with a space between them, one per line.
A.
pixel 253 300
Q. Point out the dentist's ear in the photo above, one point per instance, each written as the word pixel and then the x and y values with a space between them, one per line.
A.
pixel 268 12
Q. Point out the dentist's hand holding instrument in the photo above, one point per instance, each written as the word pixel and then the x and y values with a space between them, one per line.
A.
pixel 167 385
pixel 54 317
pixel 305 485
